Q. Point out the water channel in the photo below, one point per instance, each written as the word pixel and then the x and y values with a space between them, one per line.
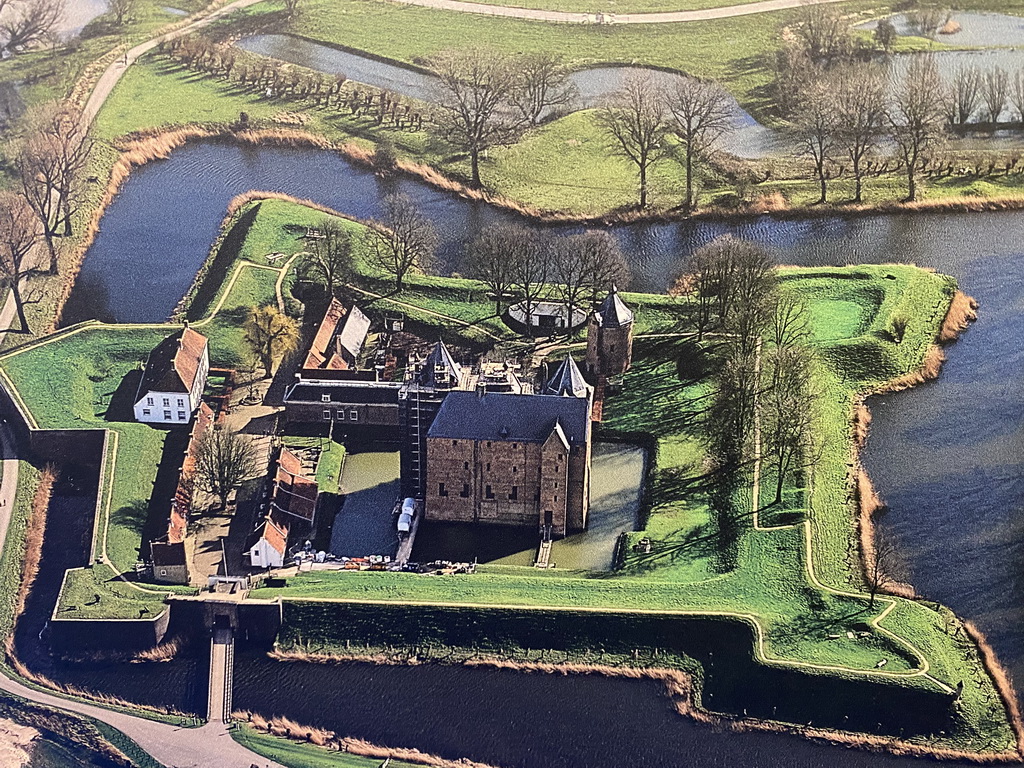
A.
pixel 946 456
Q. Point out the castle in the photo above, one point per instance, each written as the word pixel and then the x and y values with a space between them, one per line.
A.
pixel 478 443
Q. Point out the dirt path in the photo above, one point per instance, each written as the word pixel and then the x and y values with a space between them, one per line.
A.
pixel 663 17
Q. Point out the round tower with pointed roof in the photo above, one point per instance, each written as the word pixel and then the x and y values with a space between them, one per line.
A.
pixel 610 337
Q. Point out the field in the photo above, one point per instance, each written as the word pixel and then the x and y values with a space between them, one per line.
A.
pixel 302 755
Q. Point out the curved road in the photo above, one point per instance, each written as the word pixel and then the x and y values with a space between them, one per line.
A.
pixel 661 17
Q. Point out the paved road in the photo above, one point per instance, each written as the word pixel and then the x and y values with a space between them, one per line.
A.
pixel 664 17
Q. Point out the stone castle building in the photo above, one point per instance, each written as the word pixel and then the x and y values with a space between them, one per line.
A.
pixel 610 337
pixel 513 459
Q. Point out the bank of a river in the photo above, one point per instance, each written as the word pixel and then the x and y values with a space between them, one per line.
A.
pixel 947 242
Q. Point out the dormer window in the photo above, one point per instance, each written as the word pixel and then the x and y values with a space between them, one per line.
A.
pixel 325 398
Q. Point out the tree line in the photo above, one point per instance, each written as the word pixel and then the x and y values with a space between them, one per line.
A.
pixel 763 377
pixel 48 158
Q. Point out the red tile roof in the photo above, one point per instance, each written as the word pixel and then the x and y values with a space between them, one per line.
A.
pixel 294 493
pixel 174 363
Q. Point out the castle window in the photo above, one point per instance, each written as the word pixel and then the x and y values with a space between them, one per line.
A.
pixel 611 348
pixel 488 443
pixel 465 491
pixel 556 483
pixel 488 466
pixel 454 443
pixel 441 490
pixel 514 494
pixel 556 498
pixel 326 398
pixel 489 492
pixel 514 470
pixel 515 446
pixel 465 465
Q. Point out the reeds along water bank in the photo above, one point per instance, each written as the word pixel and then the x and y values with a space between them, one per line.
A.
pixel 34 531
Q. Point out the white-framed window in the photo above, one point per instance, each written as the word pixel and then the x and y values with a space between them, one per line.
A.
pixel 167 402
pixel 327 414
pixel 167 415
pixel 181 403
pixel 353 414
pixel 149 401
pixel 145 411
pixel 181 415
pixel 325 398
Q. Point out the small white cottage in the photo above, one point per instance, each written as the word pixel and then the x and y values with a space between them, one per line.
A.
pixel 267 545
pixel 172 386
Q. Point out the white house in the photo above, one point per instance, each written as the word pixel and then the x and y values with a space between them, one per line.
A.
pixel 267 546
pixel 172 386
pixel 548 315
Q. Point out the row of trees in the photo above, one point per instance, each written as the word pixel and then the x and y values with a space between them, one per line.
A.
pixel 763 376
pixel 519 262
pixel 640 117
pixel 983 95
pixel 49 159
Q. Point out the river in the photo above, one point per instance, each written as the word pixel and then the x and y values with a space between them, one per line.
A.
pixel 945 456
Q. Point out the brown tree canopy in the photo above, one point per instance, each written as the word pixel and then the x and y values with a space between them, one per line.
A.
pixel 634 119
pixel 19 233
pixel 701 112
pixel 270 334
pixel 403 240
pixel 225 460
pixel 329 260
pixel 474 92
pixel 24 22
pixel 542 84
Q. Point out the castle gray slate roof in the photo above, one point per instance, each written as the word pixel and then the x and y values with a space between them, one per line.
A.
pixel 353 333
pixel 568 381
pixel 511 418
pixel 440 368
pixel 613 312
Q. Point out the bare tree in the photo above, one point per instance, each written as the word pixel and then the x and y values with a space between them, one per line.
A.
pixel 634 118
pixel 25 22
pixel 329 260
pixel 473 92
pixel 403 240
pixel 860 102
pixel 916 117
pixel 701 113
pixel 823 33
pixel 1017 93
pixel 964 94
pixel 885 35
pixel 529 254
pixel 487 260
pixel 793 71
pixel 928 21
pixel 19 233
pixel 121 10
pixel 790 325
pixel 291 6
pixel 542 83
pixel 816 129
pixel 788 407
pixel 225 460
pixel 270 334
pixel 883 566
pixel 603 261
pixel 994 90
pixel 51 161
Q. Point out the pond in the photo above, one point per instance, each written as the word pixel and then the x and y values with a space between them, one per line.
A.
pixel 977 30
pixel 748 138
pixel 945 456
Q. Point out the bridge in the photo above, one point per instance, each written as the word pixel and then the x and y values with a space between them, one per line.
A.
pixel 222 665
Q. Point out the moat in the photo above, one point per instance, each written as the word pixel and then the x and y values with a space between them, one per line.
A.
pixel 969 419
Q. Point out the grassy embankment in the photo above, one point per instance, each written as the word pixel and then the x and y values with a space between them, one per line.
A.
pixel 793 564
pixel 85 378
pixel 562 168
pixel 303 755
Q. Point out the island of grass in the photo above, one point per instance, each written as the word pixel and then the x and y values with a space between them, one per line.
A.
pixel 780 631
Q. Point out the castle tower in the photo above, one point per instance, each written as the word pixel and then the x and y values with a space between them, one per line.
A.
pixel 610 337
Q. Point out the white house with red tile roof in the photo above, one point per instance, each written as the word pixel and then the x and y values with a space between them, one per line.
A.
pixel 268 544
pixel 172 386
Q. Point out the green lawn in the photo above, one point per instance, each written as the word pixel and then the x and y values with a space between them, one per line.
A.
pixel 96 593
pixel 302 755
